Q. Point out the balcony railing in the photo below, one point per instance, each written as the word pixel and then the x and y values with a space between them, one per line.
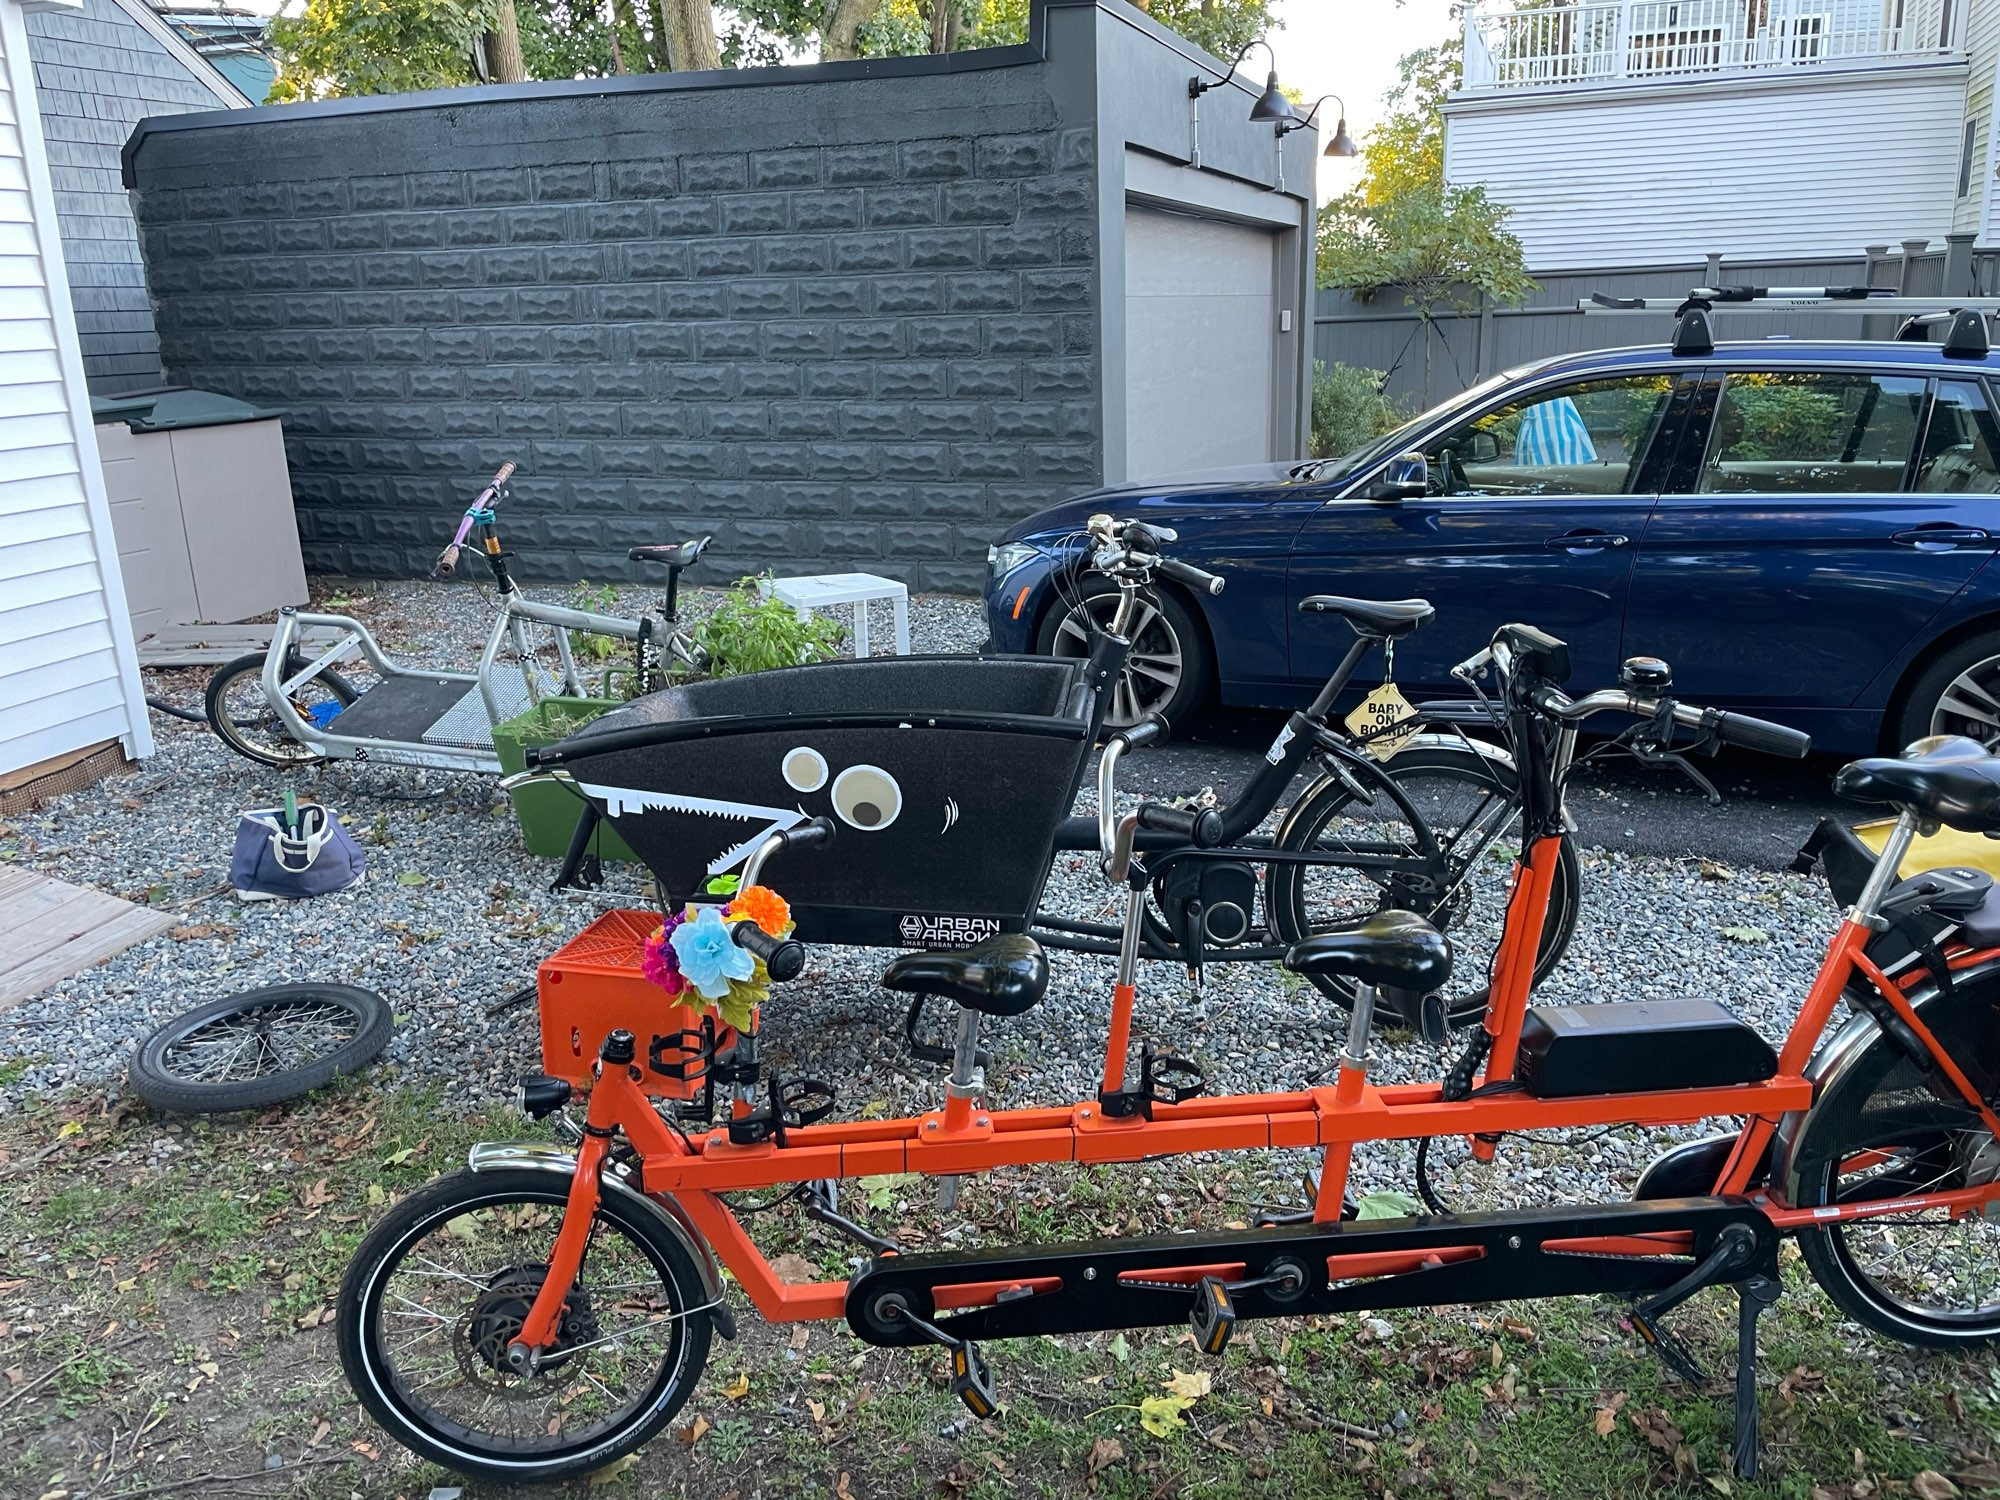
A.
pixel 1552 45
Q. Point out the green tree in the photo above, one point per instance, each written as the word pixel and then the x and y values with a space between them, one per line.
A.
pixel 1403 225
pixel 1223 27
pixel 377 46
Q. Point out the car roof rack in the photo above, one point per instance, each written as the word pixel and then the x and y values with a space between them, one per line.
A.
pixel 1963 318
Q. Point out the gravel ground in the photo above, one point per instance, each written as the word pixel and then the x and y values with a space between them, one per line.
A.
pixel 453 917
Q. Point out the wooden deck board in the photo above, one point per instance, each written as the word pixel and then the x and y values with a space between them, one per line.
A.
pixel 50 930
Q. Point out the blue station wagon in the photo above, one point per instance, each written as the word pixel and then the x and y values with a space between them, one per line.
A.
pixel 1805 531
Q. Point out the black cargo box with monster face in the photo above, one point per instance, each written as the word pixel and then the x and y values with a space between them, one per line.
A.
pixel 945 777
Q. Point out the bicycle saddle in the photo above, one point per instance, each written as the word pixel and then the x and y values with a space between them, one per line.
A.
pixel 1002 976
pixel 677 555
pixel 1947 777
pixel 1392 949
pixel 1372 619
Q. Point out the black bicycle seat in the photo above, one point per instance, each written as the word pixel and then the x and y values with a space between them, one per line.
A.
pixel 1373 619
pixel 1947 777
pixel 677 555
pixel 1002 976
pixel 1397 949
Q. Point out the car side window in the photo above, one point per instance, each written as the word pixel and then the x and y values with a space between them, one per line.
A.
pixel 1961 443
pixel 1585 439
pixel 1788 432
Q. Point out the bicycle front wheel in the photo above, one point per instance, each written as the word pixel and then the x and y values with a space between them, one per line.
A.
pixel 441 1287
pixel 1453 869
pixel 243 717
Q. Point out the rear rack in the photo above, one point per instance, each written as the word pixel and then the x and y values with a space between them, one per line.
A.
pixel 1963 318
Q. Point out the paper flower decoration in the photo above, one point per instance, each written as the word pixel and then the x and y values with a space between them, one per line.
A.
pixel 765 907
pixel 708 955
pixel 658 961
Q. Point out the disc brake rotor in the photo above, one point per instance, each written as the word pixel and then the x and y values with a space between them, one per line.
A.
pixel 481 1337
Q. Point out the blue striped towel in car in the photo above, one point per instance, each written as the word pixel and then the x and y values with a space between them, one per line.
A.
pixel 1552 432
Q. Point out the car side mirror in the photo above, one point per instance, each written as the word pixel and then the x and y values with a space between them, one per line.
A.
pixel 1407 477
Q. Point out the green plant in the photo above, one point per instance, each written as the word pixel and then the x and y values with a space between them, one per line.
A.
pixel 600 600
pixel 753 632
pixel 1349 408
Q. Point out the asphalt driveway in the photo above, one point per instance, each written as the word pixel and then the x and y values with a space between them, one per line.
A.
pixel 1769 805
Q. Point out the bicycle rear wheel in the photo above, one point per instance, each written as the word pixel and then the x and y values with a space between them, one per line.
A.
pixel 1882 1129
pixel 260 1047
pixel 1454 868
pixel 440 1288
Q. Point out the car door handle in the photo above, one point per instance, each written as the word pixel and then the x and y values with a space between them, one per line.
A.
pixel 1941 538
pixel 1586 541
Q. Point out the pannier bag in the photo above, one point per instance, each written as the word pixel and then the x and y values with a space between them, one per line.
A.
pixel 311 856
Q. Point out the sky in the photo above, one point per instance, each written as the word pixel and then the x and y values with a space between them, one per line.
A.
pixel 1349 48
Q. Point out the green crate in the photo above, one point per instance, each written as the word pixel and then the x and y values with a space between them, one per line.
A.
pixel 548 814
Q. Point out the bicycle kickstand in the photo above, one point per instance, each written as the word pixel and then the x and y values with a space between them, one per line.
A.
pixel 1754 1295
pixel 1734 1247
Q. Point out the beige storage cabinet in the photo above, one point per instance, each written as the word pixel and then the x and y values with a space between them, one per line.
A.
pixel 201 505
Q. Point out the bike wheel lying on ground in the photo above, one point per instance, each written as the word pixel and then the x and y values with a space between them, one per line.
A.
pixel 243 717
pixel 1884 1129
pixel 260 1047
pixel 442 1285
pixel 1469 803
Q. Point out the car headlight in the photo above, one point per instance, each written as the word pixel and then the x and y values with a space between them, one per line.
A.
pixel 1007 556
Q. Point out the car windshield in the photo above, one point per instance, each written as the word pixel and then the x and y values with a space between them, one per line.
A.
pixel 1377 449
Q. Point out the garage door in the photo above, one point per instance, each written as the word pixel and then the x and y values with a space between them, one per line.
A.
pixel 1201 330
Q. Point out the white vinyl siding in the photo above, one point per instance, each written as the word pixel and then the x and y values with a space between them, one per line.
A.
pixel 1982 45
pixel 1787 167
pixel 68 672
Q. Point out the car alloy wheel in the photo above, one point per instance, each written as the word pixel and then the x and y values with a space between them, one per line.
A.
pixel 1155 669
pixel 1970 704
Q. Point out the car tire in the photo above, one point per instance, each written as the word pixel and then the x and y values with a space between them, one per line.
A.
pixel 1169 640
pixel 1947 696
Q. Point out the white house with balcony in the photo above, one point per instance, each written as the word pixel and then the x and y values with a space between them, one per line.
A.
pixel 1658 132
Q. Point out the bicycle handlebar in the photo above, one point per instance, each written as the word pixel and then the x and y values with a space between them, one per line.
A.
pixel 1193 577
pixel 1200 826
pixel 784 958
pixel 447 562
pixel 1760 735
pixel 805 836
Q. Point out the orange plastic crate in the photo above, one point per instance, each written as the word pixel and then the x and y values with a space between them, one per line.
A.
pixel 593 985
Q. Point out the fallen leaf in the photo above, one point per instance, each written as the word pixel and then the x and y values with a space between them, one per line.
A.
pixel 1388 1206
pixel 14 1376
pixel 738 1388
pixel 317 1196
pixel 1519 1329
pixel 610 1472
pixel 1754 936
pixel 1161 1415
pixel 1607 1415
pixel 1931 1485
pixel 367 1450
pixel 801 1336
pixel 1193 1386
pixel 397 1158
pixel 1712 870
pixel 794 1268
pixel 69 1128
pixel 320 1430
pixel 412 877
pixel 1105 1452
pixel 1720 1484
pixel 840 1490
pixel 817 1408
pixel 1121 1350
pixel 691 1434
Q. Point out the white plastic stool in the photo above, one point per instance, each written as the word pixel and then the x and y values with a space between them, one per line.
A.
pixel 822 590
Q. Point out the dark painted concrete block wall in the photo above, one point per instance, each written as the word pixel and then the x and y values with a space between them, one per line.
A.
pixel 843 323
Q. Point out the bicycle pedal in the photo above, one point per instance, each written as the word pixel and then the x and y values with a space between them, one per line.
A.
pixel 1213 1318
pixel 972 1382
pixel 1671 1348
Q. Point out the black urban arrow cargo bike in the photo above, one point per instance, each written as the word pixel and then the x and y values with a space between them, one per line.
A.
pixel 956 778
pixel 549 1309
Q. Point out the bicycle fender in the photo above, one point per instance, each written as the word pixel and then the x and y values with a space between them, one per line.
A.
pixel 493 1156
pixel 1974 998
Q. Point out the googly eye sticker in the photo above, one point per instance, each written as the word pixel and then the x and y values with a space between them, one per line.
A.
pixel 805 769
pixel 867 797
